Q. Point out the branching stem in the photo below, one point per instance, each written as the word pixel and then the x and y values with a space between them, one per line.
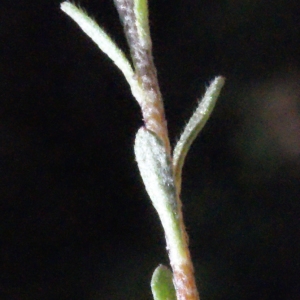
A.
pixel 160 172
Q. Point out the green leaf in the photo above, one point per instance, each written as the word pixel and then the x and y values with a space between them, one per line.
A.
pixel 106 44
pixel 156 170
pixel 142 22
pixel 195 125
pixel 157 173
pixel 162 284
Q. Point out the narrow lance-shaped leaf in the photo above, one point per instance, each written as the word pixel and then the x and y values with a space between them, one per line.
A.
pixel 142 22
pixel 195 125
pixel 105 43
pixel 157 174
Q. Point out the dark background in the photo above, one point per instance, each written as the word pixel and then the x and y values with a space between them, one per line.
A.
pixel 75 221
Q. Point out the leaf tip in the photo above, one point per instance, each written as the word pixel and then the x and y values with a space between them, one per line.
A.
pixel 162 284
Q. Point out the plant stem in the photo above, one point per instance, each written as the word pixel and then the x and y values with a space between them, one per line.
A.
pixel 183 272
pixel 160 173
pixel 134 15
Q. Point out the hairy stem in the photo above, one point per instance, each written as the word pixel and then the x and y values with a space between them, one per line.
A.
pixel 160 172
pixel 135 26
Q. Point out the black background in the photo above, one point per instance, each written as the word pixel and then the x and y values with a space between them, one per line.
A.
pixel 75 221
